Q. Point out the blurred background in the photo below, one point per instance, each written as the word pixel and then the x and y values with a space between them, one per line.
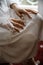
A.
pixel 27 2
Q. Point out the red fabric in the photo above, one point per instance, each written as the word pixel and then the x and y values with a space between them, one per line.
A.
pixel 39 55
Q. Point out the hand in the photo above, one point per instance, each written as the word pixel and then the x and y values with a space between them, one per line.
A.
pixel 17 24
pixel 20 12
pixel 6 26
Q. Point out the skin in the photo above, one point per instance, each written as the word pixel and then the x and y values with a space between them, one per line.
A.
pixel 19 11
pixel 18 23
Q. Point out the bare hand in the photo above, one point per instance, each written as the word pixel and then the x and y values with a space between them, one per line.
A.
pixel 17 24
pixel 20 11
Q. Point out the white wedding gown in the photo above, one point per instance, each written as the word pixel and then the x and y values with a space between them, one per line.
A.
pixel 16 47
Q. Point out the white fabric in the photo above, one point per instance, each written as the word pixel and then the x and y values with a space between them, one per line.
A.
pixel 11 1
pixel 19 46
pixel 23 45
pixel 40 8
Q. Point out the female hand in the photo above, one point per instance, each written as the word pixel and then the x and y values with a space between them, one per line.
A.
pixel 20 11
pixel 16 25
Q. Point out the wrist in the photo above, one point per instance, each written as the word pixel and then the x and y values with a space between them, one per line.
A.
pixel 13 5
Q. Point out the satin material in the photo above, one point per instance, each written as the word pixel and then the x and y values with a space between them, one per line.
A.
pixel 17 47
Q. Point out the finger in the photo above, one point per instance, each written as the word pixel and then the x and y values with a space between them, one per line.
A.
pixel 17 25
pixel 18 21
pixel 32 11
pixel 16 11
pixel 18 14
pixel 25 12
pixel 13 28
pixel 5 26
pixel 16 29
pixel 10 26
pixel 22 18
